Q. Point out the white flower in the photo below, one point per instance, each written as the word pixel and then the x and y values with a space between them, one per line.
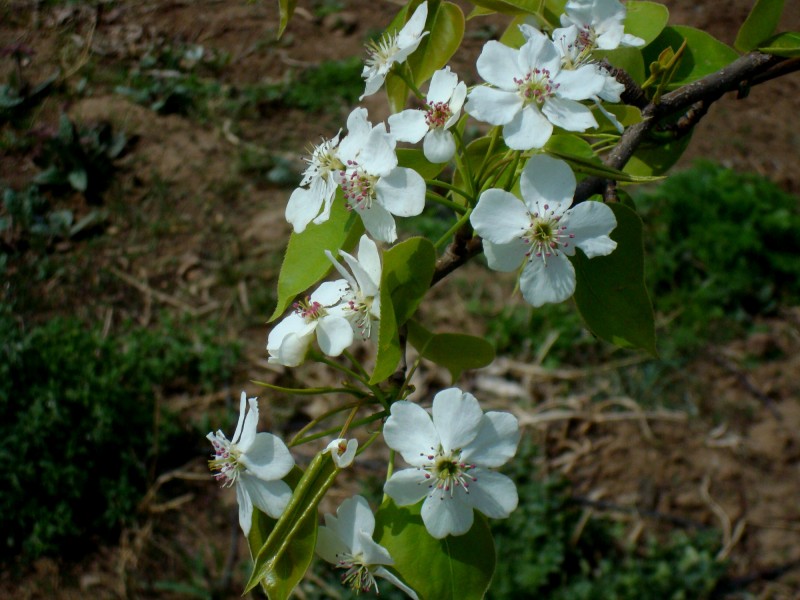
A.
pixel 313 199
pixel 532 92
pixel 600 24
pixel 362 303
pixel 346 541
pixel 342 451
pixel 543 230
pixel 443 107
pixel 451 455
pixel 372 183
pixel 255 464
pixel 391 49
pixel 322 313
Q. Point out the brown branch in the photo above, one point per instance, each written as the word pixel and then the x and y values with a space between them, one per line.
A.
pixel 745 71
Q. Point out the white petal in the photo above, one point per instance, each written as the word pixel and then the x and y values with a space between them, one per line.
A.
pixel 358 130
pixel 245 508
pixel 329 545
pixel 552 283
pixel 343 459
pixel 456 102
pixel 352 516
pixel 330 293
pixel 402 192
pixel 494 494
pixel 389 576
pixel 366 284
pixel 457 417
pixel 528 129
pixel 378 222
pixel 292 323
pixel 410 431
pixel 579 84
pixel 271 497
pixel 568 114
pixel 409 125
pixel 500 217
pixel 496 441
pixel 497 64
pixel 240 423
pixel 505 257
pixel 631 41
pixel 249 427
pixel 293 348
pixel 268 457
pixel 443 83
pixel 370 259
pixel 406 487
pixel 493 106
pixel 538 52
pixel 445 516
pixel 591 222
pixel 334 334
pixel 372 552
pixel 547 182
pixel 302 207
pixel 439 146
pixel 378 156
pixel 412 30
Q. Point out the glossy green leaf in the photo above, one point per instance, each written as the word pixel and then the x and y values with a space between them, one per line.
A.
pixel 305 262
pixel 610 293
pixel 415 159
pixel 407 272
pixel 456 352
pixel 455 568
pixel 286 9
pixel 509 7
pixel 652 158
pixel 445 25
pixel 759 25
pixel 283 549
pixel 571 145
pixel 645 19
pixel 704 54
pixel 627 115
pixel 784 44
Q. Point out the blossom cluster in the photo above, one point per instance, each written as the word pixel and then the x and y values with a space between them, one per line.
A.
pixel 550 81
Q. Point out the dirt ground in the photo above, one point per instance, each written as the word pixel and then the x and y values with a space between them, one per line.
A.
pixel 732 463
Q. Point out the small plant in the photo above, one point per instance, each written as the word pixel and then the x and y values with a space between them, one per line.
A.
pixel 80 158
pixel 18 95
pixel 79 425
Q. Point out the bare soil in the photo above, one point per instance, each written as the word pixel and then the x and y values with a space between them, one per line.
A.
pixel 192 232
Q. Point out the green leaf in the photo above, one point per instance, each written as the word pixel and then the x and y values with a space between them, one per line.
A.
pixel 305 262
pixel 510 7
pixel 784 44
pixel 626 115
pixel 457 352
pixel 593 166
pixel 652 158
pixel 628 59
pixel 645 19
pixel 455 568
pixel 78 179
pixel 703 55
pixel 283 549
pixel 610 293
pixel 569 144
pixel 407 272
pixel 415 159
pixel 286 8
pixel 759 25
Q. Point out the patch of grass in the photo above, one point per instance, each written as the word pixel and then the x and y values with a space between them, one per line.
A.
pixel 84 433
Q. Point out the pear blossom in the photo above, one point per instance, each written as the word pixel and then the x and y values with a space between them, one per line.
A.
pixel 321 314
pixel 451 452
pixel 600 24
pixel 372 182
pixel 362 302
pixel 444 100
pixel 539 232
pixel 254 463
pixel 343 451
pixel 346 541
pixel 393 48
pixel 312 200
pixel 532 92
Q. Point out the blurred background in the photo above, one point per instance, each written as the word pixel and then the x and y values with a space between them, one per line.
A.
pixel 147 150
